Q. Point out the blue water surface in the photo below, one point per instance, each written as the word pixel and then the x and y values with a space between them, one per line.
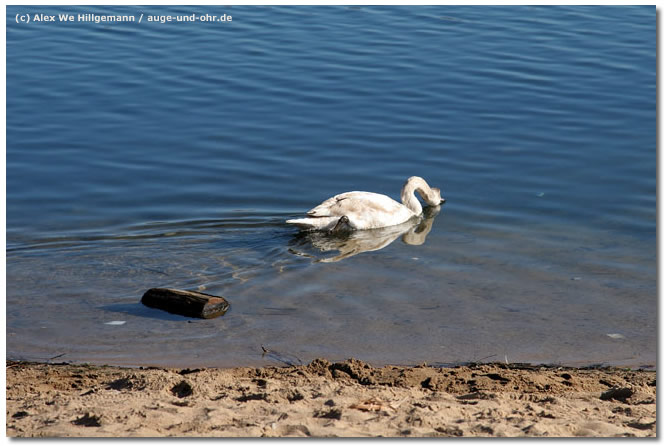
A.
pixel 170 154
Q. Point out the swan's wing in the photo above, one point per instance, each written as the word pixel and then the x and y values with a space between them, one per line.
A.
pixel 355 203
pixel 337 205
pixel 365 210
pixel 327 207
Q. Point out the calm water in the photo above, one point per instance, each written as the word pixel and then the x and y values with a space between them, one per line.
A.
pixel 147 154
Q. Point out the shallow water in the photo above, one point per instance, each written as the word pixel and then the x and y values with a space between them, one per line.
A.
pixel 143 155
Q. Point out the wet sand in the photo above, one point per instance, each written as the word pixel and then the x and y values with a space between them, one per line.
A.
pixel 323 399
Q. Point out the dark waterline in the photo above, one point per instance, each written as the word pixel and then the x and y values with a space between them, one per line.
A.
pixel 143 155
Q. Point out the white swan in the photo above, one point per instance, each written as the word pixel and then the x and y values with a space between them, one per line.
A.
pixel 368 210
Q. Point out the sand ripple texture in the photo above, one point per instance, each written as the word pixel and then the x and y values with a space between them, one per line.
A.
pixel 323 399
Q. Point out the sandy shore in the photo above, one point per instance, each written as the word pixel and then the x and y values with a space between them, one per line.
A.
pixel 323 399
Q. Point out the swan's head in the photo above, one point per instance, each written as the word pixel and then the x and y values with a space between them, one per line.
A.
pixel 434 198
pixel 430 195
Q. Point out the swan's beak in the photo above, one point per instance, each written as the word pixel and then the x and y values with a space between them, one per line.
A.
pixel 442 200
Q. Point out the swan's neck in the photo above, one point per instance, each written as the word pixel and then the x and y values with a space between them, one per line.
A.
pixel 410 201
pixel 408 194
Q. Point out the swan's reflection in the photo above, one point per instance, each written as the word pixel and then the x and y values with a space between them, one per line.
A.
pixel 413 232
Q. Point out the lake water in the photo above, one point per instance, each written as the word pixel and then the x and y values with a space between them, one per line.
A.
pixel 148 154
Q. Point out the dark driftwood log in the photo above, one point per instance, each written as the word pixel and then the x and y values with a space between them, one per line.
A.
pixel 186 303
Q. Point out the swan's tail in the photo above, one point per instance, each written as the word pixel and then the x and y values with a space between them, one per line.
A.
pixel 314 224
